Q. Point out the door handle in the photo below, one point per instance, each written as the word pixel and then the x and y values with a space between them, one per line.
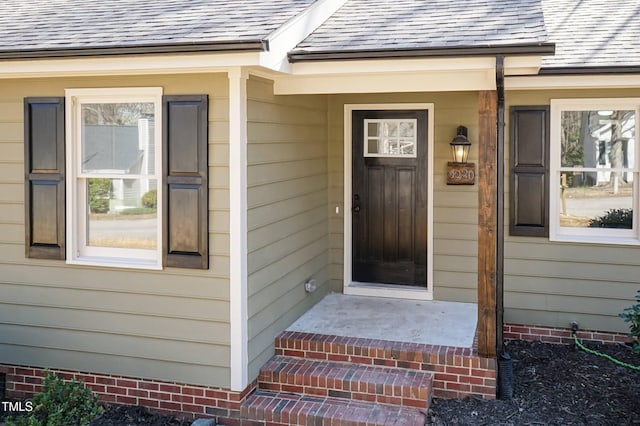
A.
pixel 355 209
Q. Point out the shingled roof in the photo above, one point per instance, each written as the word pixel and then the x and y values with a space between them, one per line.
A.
pixel 589 35
pixel 594 34
pixel 61 27
pixel 364 28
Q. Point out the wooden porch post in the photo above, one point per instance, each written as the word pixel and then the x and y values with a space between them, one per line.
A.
pixel 487 223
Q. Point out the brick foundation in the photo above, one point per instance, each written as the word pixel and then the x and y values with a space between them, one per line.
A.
pixel 458 372
pixel 560 335
pixel 186 401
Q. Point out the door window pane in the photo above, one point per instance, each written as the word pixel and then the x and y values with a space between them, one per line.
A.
pixel 390 138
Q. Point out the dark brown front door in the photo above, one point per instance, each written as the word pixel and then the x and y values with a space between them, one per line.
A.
pixel 389 197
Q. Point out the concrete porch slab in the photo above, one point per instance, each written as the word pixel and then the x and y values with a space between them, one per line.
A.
pixel 427 322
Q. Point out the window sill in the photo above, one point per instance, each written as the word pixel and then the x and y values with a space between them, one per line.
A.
pixel 111 262
pixel 621 241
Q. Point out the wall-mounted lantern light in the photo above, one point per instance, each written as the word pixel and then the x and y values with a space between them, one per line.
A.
pixel 459 172
pixel 460 145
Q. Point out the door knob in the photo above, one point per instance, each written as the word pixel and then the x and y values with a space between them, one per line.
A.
pixel 356 209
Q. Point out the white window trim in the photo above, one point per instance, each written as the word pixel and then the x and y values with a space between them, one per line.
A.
pixel 382 290
pixel 589 235
pixel 77 252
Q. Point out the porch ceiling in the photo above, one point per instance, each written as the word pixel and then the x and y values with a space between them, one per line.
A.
pixel 399 320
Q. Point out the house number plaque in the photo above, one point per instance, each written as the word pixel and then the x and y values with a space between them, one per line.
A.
pixel 461 173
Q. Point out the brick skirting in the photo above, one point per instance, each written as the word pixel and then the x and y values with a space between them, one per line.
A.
pixel 458 372
pixel 186 401
pixel 560 335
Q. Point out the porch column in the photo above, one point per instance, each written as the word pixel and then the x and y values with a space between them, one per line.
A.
pixel 487 222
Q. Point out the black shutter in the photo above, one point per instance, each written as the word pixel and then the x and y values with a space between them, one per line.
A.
pixel 185 181
pixel 529 193
pixel 44 178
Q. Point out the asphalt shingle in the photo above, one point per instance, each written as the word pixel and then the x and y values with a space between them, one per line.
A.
pixel 83 24
pixel 593 33
pixel 362 25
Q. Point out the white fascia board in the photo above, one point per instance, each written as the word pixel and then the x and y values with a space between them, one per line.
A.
pixel 398 75
pixel 557 82
pixel 127 65
pixel 522 65
pixel 289 35
pixel 392 65
pixel 434 81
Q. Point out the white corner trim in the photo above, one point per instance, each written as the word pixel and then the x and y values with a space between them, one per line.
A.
pixel 296 29
pixel 239 361
pixel 378 290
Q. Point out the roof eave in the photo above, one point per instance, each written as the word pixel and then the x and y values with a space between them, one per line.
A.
pixel 228 46
pixel 345 55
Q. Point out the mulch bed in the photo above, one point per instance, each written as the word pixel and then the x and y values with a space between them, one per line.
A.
pixel 555 385
pixel 126 415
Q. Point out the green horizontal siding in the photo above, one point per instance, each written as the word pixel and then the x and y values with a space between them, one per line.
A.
pixel 169 325
pixel 287 211
pixel 552 284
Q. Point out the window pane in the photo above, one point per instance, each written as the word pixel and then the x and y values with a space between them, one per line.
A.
pixel 600 206
pixel 390 137
pixel 122 213
pixel 407 129
pixel 372 146
pixel 118 138
pixel 598 138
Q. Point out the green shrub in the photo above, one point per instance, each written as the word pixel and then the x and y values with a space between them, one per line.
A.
pixel 150 199
pixel 61 403
pixel 99 194
pixel 138 210
pixel 632 316
pixel 614 218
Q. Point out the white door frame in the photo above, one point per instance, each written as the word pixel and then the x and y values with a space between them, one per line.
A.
pixel 382 290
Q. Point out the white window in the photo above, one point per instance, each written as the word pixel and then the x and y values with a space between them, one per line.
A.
pixel 594 171
pixel 113 177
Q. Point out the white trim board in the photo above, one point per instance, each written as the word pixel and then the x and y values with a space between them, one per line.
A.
pixel 289 35
pixel 239 351
pixel 393 291
pixel 557 82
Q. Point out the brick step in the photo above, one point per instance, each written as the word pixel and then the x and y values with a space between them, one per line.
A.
pixel 370 383
pixel 280 408
pixel 458 372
